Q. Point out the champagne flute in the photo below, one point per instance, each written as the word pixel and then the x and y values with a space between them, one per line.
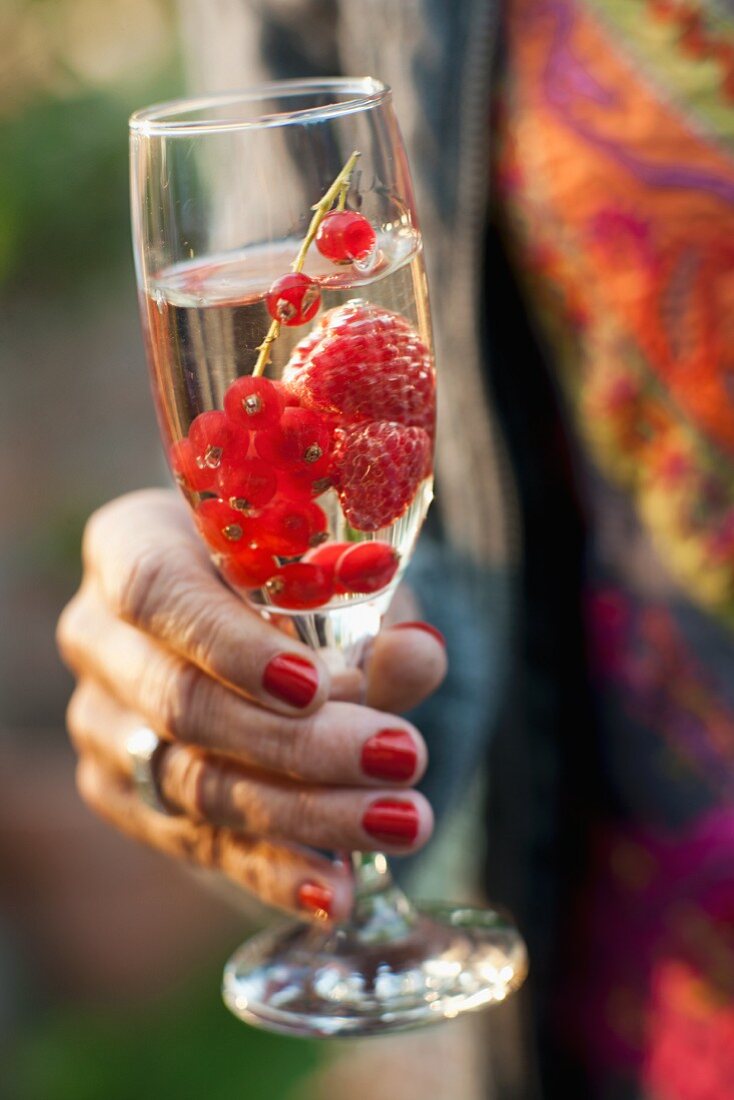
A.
pixel 285 310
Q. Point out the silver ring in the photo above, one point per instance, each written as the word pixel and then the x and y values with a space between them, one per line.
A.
pixel 144 747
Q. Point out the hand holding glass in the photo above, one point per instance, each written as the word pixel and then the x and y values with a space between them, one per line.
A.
pixel 286 315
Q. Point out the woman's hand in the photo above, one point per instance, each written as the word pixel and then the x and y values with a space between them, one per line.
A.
pixel 268 753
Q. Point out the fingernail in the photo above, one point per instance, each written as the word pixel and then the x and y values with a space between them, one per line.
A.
pixel 432 630
pixel 391 821
pixel 315 899
pixel 291 678
pixel 390 754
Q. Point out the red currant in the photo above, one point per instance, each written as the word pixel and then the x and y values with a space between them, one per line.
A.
pixel 249 569
pixel 344 236
pixel 292 487
pixel 301 444
pixel 293 299
pixel 224 528
pixel 300 586
pixel 183 463
pixel 290 527
pixel 213 439
pixel 367 567
pixel 254 403
pixel 326 557
pixel 249 485
pixel 297 486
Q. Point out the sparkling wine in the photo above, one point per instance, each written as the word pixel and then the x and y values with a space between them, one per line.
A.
pixel 206 319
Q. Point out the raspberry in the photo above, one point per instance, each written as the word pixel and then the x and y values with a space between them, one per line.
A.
pixel 303 349
pixel 367 567
pixel 290 527
pixel 301 444
pixel 377 470
pixel 249 569
pixel 326 557
pixel 254 403
pixel 289 398
pixel 293 299
pixel 368 364
pixel 248 485
pixel 225 529
pixel 344 236
pixel 300 586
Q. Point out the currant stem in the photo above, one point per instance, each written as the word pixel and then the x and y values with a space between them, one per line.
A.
pixel 337 192
pixel 264 349
pixel 342 200
pixel 338 189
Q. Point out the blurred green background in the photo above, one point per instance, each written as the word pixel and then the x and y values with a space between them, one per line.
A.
pixel 109 958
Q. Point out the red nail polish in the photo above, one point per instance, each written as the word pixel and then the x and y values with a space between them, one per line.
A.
pixel 391 822
pixel 316 899
pixel 291 678
pixel 390 755
pixel 432 630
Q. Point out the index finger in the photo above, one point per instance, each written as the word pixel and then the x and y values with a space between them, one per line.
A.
pixel 154 573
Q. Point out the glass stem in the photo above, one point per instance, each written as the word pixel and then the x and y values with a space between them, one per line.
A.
pixel 381 911
pixel 371 874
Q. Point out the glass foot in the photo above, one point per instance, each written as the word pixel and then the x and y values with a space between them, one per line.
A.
pixel 303 980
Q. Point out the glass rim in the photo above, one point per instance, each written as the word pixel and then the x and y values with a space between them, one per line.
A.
pixel 164 119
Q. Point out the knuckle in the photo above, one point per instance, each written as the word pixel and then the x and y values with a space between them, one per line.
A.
pixel 89 784
pixel 212 635
pixel 325 821
pixel 103 527
pixel 179 695
pixel 225 794
pixel 263 868
pixel 143 586
pixel 183 779
pixel 210 846
pixel 214 794
pixel 254 879
pixel 292 749
pixel 302 817
pixel 257 871
pixel 93 533
pixel 70 629
pixel 77 718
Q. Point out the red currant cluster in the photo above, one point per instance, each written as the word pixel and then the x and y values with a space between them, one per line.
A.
pixel 265 459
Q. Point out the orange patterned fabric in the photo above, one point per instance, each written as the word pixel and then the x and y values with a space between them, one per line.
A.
pixel 623 212
pixel 615 181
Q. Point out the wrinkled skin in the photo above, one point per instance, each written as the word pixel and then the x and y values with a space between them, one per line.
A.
pixel 155 638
